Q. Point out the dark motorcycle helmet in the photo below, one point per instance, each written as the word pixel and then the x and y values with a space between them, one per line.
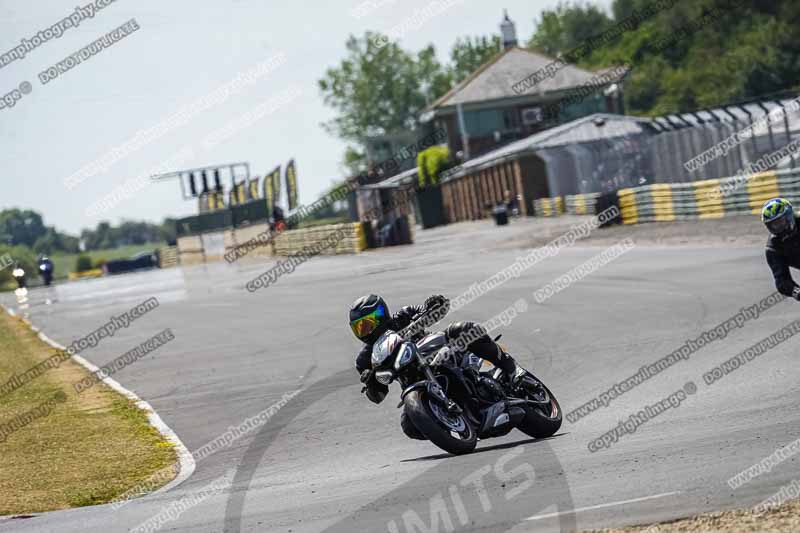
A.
pixel 778 215
pixel 369 318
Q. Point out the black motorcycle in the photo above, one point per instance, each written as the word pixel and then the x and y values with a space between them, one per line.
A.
pixel 46 271
pixel 451 401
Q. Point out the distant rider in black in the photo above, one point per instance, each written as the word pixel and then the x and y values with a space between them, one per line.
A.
pixel 783 245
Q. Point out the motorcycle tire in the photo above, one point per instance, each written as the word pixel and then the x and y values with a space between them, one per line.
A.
pixel 420 409
pixel 539 424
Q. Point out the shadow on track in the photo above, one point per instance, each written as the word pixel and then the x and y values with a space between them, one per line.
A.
pixel 495 488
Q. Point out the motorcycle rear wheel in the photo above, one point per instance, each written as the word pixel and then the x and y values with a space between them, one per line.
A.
pixel 452 433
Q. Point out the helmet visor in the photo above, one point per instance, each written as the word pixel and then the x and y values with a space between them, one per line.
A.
pixel 780 225
pixel 364 326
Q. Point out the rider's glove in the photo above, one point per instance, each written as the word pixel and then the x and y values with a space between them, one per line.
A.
pixel 366 375
pixel 436 301
pixel 375 391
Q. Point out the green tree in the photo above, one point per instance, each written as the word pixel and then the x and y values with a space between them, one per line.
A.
pixel 568 25
pixel 18 254
pixel 21 227
pixel 53 241
pixel 431 162
pixel 470 53
pixel 83 263
pixel 716 52
pixel 379 90
pixel 167 232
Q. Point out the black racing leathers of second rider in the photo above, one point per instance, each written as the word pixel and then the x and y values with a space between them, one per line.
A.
pixel 784 252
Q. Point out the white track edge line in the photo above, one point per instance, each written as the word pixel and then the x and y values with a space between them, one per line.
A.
pixel 185 458
pixel 601 506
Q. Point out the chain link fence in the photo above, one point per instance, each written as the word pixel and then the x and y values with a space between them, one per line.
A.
pixel 698 146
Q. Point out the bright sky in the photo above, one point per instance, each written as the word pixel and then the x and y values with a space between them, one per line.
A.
pixel 182 52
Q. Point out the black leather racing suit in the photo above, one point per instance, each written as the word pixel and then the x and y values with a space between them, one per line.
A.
pixel 483 347
pixel 783 253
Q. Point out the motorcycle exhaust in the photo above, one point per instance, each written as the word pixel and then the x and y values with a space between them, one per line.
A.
pixel 500 418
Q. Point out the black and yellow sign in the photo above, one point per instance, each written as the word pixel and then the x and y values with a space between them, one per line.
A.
pixel 291 184
pixel 272 193
pixel 254 189
pixel 276 184
pixel 237 195
pixel 215 200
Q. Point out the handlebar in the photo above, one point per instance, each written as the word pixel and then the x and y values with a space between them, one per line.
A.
pixel 427 318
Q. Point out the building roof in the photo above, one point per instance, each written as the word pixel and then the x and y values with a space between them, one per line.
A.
pixel 745 113
pixel 406 177
pixel 586 129
pixel 495 78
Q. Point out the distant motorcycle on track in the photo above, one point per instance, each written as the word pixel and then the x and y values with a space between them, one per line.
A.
pixel 46 270
pixel 451 402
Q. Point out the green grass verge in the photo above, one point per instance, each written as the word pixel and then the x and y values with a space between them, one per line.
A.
pixel 89 449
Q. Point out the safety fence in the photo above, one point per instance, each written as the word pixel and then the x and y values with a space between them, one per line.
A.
pixel 708 198
pixel 236 216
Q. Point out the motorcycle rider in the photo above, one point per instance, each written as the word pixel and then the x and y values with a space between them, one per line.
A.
pixel 370 318
pixel 45 269
pixel 783 245
pixel 19 275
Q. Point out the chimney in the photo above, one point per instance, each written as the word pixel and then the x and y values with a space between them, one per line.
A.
pixel 508 32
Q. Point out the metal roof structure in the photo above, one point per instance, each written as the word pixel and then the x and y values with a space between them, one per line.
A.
pixel 586 129
pixel 404 178
pixel 494 80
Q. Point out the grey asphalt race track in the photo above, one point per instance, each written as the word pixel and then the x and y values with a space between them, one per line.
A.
pixel 331 461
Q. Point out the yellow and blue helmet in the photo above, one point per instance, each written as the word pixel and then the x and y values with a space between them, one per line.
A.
pixel 778 215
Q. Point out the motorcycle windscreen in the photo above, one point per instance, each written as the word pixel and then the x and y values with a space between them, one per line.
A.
pixel 384 347
pixel 431 343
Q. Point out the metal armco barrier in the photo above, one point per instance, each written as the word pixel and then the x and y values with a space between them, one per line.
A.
pixel 548 207
pixel 663 202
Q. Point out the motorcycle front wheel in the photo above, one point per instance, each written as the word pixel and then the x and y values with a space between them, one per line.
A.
pixel 544 420
pixel 452 433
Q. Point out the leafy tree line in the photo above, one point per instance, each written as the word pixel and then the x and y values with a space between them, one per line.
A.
pixel 26 229
pixel 751 50
pixel 381 90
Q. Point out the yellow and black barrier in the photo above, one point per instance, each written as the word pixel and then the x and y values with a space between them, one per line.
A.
pixel 582 204
pixel 548 207
pixel 167 257
pixel 707 199
pixel 354 239
pixel 86 274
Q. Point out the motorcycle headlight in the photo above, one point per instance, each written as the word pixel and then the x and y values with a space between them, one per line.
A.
pixel 384 377
pixel 384 348
pixel 405 356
